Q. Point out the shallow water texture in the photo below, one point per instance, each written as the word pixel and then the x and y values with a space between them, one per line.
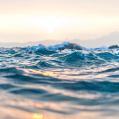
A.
pixel 68 84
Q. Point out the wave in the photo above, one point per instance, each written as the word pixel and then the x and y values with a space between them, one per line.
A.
pixel 58 80
pixel 65 45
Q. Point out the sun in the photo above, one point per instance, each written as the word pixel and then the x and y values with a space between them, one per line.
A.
pixel 50 23
pixel 50 30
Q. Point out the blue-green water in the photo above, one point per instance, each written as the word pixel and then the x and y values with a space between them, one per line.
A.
pixel 52 84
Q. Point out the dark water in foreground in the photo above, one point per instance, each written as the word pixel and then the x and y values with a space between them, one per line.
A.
pixel 65 84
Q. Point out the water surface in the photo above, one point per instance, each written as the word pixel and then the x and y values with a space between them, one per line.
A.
pixel 51 84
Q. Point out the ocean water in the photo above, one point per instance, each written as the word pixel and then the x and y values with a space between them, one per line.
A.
pixel 45 83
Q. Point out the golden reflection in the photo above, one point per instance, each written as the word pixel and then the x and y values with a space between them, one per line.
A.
pixel 37 116
pixel 45 73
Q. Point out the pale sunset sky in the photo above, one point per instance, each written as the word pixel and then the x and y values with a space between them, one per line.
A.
pixel 35 20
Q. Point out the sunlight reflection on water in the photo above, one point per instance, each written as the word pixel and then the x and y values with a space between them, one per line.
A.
pixel 37 116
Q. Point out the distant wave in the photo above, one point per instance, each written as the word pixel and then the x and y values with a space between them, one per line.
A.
pixel 58 46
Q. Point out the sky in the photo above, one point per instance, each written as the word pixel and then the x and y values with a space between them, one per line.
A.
pixel 35 20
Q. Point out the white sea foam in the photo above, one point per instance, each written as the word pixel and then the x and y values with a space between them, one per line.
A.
pixel 42 47
pixel 56 47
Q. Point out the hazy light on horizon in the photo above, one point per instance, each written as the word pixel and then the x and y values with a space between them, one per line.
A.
pixel 57 20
